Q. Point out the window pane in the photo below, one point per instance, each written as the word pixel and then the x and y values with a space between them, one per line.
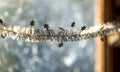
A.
pixel 20 56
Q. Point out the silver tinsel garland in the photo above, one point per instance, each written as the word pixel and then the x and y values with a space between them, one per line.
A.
pixel 62 35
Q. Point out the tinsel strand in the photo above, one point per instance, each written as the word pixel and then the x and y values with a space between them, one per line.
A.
pixel 30 34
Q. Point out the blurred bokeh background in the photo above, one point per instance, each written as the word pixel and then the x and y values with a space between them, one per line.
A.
pixel 19 56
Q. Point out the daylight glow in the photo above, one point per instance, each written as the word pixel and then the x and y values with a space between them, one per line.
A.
pixel 3 3
pixel 69 60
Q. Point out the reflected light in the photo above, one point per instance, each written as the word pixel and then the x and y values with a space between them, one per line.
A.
pixel 69 60
pixel 19 11
pixel 6 13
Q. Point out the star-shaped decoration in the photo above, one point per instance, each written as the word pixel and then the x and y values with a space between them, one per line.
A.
pixel 83 28
pixel 60 44
pixel 46 26
pixel 1 21
pixel 32 23
pixel 73 24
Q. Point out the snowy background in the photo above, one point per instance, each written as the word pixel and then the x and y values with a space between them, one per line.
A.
pixel 19 56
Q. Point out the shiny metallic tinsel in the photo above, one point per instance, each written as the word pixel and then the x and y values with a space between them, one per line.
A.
pixel 36 35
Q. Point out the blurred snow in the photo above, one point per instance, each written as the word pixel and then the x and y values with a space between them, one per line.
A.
pixel 20 56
